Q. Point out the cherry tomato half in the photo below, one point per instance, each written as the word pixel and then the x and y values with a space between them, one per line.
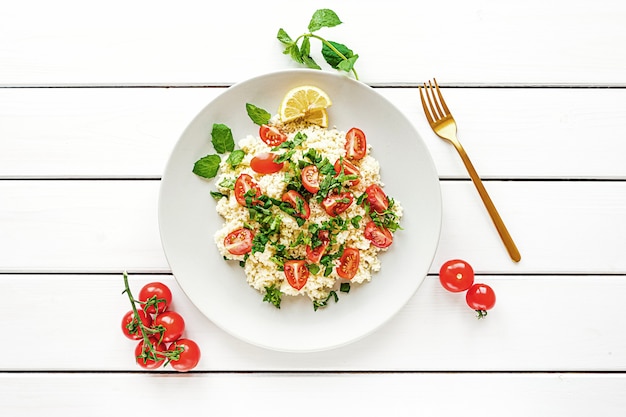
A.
pixel 315 255
pixel 298 203
pixel 456 275
pixel 271 135
pixel 239 241
pixel 348 169
pixel 296 272
pixel 147 359
pixel 189 355
pixel 336 204
pixel 311 178
pixel 377 198
pixel 173 326
pixel 130 326
pixel 480 297
pixel 356 144
pixel 155 294
pixel 243 184
pixel 380 236
pixel 349 263
pixel 263 163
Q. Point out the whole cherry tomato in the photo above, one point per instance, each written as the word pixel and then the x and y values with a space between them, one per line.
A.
pixel 456 275
pixel 480 297
pixel 130 326
pixel 189 356
pixel 155 294
pixel 148 359
pixel 173 325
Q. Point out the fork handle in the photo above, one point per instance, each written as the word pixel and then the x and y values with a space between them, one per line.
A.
pixel 491 208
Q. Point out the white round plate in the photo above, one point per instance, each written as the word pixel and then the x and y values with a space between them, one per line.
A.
pixel 188 220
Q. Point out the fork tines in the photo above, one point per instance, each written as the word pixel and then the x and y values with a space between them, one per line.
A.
pixel 437 108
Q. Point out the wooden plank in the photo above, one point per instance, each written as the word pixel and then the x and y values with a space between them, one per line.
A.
pixel 474 394
pixel 100 226
pixel 540 323
pixel 533 42
pixel 130 132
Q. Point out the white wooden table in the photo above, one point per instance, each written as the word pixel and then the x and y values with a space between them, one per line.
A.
pixel 94 97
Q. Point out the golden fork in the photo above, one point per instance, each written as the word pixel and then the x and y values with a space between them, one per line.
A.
pixel 443 124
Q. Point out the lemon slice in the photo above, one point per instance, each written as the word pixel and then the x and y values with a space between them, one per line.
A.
pixel 318 117
pixel 302 102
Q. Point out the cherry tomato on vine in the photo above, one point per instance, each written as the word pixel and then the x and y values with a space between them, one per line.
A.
pixel 130 327
pixel 263 163
pixel 456 275
pixel 356 144
pixel 148 359
pixel 271 135
pixel 189 357
pixel 480 297
pixel 173 325
pixel 155 294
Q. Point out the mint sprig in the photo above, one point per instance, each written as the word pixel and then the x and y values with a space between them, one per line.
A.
pixel 337 55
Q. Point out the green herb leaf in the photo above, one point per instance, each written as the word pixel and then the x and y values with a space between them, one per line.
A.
pixel 273 295
pixel 344 287
pixel 222 138
pixel 218 196
pixel 333 58
pixel 323 303
pixel 323 18
pixel 258 115
pixel 235 158
pixel 207 166
pixel 283 37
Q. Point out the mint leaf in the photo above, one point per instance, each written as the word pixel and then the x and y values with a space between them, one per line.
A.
pixel 283 37
pixel 347 64
pixel 235 158
pixel 332 57
pixel 207 166
pixel 222 138
pixel 323 18
pixel 258 115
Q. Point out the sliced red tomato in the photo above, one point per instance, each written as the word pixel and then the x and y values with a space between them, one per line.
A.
pixel 263 163
pixel 356 144
pixel 298 203
pixel 271 135
pixel 380 236
pixel 296 272
pixel 377 198
pixel 239 241
pixel 349 263
pixel 311 178
pixel 348 169
pixel 243 184
pixel 315 255
pixel 336 203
